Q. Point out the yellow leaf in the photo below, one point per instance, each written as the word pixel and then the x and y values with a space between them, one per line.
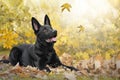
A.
pixel 66 6
pixel 51 73
pixel 27 41
pixel 107 56
pixel 81 28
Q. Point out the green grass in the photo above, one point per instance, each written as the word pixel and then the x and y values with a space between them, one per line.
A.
pixel 98 78
pixel 19 78
pixel 56 77
pixel 4 52
pixel 27 78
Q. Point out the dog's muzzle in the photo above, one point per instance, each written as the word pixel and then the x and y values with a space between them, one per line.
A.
pixel 53 38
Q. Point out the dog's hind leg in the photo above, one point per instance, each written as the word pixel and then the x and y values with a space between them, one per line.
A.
pixel 15 55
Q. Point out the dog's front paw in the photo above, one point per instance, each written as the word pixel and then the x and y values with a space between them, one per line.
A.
pixel 73 69
pixel 69 67
pixel 47 69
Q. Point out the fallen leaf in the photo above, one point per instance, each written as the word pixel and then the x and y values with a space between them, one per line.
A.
pixel 81 28
pixel 24 75
pixel 84 72
pixel 66 59
pixel 41 75
pixel 70 76
pixel 16 69
pixel 5 57
pixel 3 74
pixel 66 6
pixel 31 69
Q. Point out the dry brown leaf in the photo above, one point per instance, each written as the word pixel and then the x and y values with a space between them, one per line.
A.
pixel 5 57
pixel 41 74
pixel 118 71
pixel 31 69
pixel 79 66
pixel 3 74
pixel 16 69
pixel 23 74
pixel 66 59
pixel 84 72
pixel 118 57
pixel 70 76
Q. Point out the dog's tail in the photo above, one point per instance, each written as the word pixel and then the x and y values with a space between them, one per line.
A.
pixel 5 61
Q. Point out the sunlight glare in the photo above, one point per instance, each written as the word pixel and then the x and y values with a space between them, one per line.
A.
pixel 87 11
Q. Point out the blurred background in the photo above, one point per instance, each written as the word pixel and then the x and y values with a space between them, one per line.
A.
pixel 84 27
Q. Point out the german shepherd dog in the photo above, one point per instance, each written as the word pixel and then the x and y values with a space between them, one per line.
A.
pixel 42 52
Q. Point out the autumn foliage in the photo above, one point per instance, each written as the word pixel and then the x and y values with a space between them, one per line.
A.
pixel 80 40
pixel 89 35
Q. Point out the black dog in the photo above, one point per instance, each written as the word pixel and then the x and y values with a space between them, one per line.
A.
pixel 42 52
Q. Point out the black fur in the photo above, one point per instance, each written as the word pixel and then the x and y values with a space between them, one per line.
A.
pixel 42 52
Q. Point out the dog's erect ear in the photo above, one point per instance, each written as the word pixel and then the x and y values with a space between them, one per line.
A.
pixel 47 20
pixel 36 25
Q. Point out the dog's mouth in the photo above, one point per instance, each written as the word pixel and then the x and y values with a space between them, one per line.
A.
pixel 50 40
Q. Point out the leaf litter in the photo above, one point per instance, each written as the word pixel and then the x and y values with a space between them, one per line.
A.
pixel 8 72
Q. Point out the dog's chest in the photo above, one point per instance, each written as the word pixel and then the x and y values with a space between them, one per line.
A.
pixel 48 55
pixel 45 53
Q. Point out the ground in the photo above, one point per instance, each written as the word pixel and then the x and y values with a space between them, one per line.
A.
pixel 8 72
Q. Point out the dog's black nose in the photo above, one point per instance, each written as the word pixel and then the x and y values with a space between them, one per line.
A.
pixel 55 31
